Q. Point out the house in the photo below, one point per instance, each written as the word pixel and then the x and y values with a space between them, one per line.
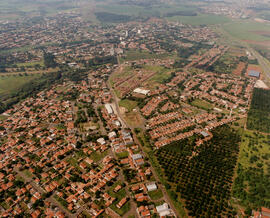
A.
pixel 117 188
pixel 121 203
pixel 264 213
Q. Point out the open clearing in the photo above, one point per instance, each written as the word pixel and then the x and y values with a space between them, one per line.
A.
pixel 133 55
pixel 248 30
pixel 240 67
pixel 9 84
pixel 254 150
pixel 202 104
pixel 14 9
pixel 133 119
pixel 201 19
pixel 128 104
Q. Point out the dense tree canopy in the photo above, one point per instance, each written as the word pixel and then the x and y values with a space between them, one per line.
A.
pixel 259 113
pixel 203 180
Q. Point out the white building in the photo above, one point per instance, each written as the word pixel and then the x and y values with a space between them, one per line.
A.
pixel 136 157
pixel 101 141
pixel 112 134
pixel 141 91
pixel 163 210
pixel 109 108
pixel 151 186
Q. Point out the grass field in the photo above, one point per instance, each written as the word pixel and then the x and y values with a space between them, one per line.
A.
pixel 28 173
pixel 119 196
pixel 200 19
pixel 155 195
pixel 2 117
pixel 248 30
pixel 251 185
pixel 127 71
pixel 202 104
pixel 90 126
pixel 31 64
pixel 134 10
pixel 14 9
pixel 161 76
pixel 133 119
pixel 10 84
pixel 97 156
pixel 254 150
pixel 122 155
pixel 128 104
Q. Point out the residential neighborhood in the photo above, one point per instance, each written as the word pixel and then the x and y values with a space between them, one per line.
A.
pixel 139 118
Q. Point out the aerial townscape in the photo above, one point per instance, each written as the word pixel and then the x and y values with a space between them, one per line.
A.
pixel 134 108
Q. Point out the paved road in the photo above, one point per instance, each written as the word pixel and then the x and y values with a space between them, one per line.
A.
pixel 263 63
pixel 116 101
pixel 165 194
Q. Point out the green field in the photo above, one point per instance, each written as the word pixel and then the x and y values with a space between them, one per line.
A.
pixel 135 10
pixel 122 155
pixel 128 71
pixel 97 155
pixel 28 173
pixel 259 112
pixel 14 9
pixel 11 84
pixel 119 196
pixel 201 19
pixel 252 185
pixel 202 104
pixel 73 162
pixel 31 64
pixel 155 195
pixel 248 30
pixel 2 117
pixel 254 144
pixel 128 104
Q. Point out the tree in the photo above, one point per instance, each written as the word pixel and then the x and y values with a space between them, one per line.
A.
pixel 49 60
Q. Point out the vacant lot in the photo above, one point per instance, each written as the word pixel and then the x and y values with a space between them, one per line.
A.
pixel 128 104
pixel 201 19
pixel 13 9
pixel 133 55
pixel 202 104
pixel 239 70
pixel 11 84
pixel 134 119
pixel 247 30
